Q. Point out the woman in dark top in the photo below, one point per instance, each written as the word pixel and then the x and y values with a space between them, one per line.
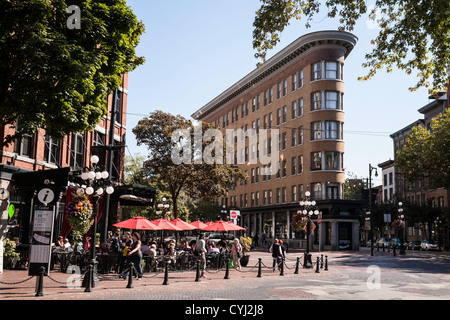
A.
pixel 135 255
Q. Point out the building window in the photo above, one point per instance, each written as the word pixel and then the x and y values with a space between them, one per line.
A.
pixel 294 109
pixel 316 98
pixel 266 98
pixel 294 137
pixel 284 87
pixel 316 190
pixel 316 161
pixel 332 191
pixel 51 151
pixel 283 195
pixel 316 71
pixel 331 70
pixel 331 129
pixel 284 114
pixel 294 82
pixel 331 100
pixel 316 130
pixel 279 90
pixel 293 165
pixel 300 164
pixel 24 145
pixel 300 79
pixel 283 141
pixel 331 160
pixel 270 95
pixel 293 193
pixel 77 151
pixel 278 116
pixel 300 107
pixel 300 135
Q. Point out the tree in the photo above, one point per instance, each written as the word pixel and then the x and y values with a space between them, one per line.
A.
pixel 163 134
pixel 57 76
pixel 414 34
pixel 425 155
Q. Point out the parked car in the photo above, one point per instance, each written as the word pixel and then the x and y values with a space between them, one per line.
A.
pixel 395 242
pixel 413 245
pixel 382 243
pixel 428 245
pixel 216 237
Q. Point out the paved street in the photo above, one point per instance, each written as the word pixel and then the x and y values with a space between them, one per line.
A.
pixel 350 276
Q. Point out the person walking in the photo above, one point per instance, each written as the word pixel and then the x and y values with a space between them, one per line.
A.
pixel 135 255
pixel 277 253
pixel 236 253
pixel 200 253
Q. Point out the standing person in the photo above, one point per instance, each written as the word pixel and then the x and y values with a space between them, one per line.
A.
pixel 135 255
pixel 126 243
pixel 263 239
pixel 236 253
pixel 275 249
pixel 199 252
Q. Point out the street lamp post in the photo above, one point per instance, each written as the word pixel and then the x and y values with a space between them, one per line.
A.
pixel 96 184
pixel 370 205
pixel 403 236
pixel 308 208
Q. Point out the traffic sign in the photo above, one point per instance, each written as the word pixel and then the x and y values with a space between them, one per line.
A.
pixel 234 214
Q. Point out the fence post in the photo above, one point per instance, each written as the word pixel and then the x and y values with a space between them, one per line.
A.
pixel 297 265
pixel 166 273
pixel 89 278
pixel 197 273
pixel 282 267
pixel 259 268
pixel 227 269
pixel 317 265
pixel 326 263
pixel 40 283
pixel 321 261
pixel 130 275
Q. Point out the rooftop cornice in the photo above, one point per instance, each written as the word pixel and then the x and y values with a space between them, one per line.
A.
pixel 295 49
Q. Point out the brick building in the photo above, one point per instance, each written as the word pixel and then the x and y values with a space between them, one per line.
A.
pixel 291 107
pixel 37 161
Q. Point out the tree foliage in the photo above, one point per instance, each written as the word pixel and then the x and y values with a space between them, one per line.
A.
pixel 425 156
pixel 414 35
pixel 196 178
pixel 57 77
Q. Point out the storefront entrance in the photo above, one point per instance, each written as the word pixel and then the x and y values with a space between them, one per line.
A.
pixel 345 236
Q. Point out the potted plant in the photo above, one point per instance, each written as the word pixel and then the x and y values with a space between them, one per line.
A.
pixel 246 242
pixel 10 256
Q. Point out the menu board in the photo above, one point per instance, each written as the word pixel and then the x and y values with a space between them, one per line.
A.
pixel 41 240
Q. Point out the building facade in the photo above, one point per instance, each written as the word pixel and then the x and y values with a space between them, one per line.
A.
pixel 36 161
pixel 291 111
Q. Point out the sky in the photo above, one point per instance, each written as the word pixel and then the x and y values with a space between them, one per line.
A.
pixel 197 49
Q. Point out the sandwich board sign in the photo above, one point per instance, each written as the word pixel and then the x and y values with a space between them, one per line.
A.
pixel 41 241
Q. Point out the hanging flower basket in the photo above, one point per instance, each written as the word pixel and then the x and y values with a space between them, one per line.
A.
pixel 299 222
pixel 398 224
pixel 79 213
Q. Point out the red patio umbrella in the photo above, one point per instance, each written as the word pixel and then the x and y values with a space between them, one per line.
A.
pixel 198 224
pixel 165 224
pixel 236 227
pixel 221 226
pixel 182 224
pixel 137 223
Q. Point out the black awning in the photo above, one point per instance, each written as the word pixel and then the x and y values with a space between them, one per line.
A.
pixel 134 195
pixel 34 180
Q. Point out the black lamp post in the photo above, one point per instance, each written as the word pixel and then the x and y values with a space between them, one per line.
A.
pixel 370 206
pixel 308 208
pixel 96 184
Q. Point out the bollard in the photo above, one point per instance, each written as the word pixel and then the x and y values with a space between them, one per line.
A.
pixel 130 276
pixel 321 261
pixel 282 267
pixel 166 273
pixel 40 283
pixel 197 274
pixel 259 268
pixel 326 263
pixel 227 270
pixel 297 265
pixel 395 252
pixel 317 265
pixel 90 279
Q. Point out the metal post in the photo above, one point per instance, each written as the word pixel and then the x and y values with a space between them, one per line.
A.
pixel 317 265
pixel 197 274
pixel 321 261
pixel 326 263
pixel 259 268
pixel 227 270
pixel 40 283
pixel 130 276
pixel 90 278
pixel 166 273
pixel 296 265
pixel 282 267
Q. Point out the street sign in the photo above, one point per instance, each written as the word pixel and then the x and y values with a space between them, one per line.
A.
pixel 46 196
pixel 234 214
pixel 387 217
